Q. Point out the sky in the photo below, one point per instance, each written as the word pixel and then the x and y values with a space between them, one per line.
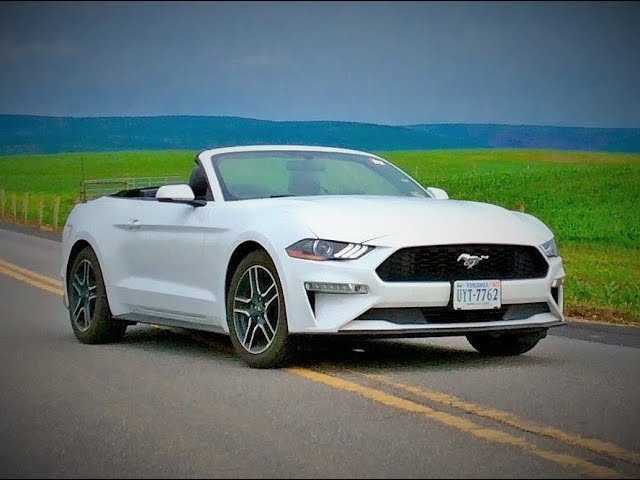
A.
pixel 539 63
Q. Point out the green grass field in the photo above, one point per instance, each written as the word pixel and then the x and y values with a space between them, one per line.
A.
pixel 590 200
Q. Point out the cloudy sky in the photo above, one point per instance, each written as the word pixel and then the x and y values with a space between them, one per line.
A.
pixel 541 63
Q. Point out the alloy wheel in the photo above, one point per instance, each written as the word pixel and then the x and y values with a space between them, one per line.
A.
pixel 83 295
pixel 256 309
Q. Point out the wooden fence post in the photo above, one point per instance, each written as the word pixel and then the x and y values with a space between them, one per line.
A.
pixel 25 206
pixel 56 211
pixel 14 208
pixel 40 210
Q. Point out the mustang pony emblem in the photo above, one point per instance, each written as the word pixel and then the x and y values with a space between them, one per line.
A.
pixel 471 261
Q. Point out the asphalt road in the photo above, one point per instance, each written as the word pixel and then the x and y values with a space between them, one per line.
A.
pixel 171 403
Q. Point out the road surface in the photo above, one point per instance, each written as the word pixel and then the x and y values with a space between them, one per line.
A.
pixel 173 403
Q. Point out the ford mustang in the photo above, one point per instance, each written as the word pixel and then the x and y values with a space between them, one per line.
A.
pixel 268 243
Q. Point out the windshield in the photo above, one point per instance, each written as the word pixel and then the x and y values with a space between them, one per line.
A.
pixel 265 174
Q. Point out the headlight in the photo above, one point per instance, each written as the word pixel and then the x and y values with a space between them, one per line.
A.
pixel 550 248
pixel 313 249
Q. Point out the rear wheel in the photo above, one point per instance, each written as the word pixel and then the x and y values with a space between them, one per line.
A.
pixel 89 311
pixel 505 344
pixel 256 313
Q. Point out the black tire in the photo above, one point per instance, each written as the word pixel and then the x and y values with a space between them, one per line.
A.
pixel 98 326
pixel 505 344
pixel 277 350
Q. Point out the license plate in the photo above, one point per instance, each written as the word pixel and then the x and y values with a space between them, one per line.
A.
pixel 477 294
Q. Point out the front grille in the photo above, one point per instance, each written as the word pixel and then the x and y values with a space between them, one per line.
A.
pixel 431 315
pixel 439 263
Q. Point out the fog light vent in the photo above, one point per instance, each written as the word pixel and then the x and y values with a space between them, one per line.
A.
pixel 554 294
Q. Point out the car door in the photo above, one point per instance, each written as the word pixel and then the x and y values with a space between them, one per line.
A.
pixel 164 248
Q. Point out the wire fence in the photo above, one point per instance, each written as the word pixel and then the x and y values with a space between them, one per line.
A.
pixel 49 211
pixel 43 210
pixel 91 189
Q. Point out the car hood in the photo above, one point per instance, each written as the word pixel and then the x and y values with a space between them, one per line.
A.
pixel 407 221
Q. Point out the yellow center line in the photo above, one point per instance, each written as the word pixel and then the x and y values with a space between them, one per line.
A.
pixel 595 445
pixel 52 285
pixel 37 280
pixel 462 424
pixel 48 286
pixel 31 274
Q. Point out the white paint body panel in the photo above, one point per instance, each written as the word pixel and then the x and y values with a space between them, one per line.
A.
pixel 170 260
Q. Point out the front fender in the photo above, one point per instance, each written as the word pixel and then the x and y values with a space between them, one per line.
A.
pixel 273 238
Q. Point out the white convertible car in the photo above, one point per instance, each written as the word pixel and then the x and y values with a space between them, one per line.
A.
pixel 267 243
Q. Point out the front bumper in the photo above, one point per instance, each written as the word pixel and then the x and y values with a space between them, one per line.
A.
pixel 328 313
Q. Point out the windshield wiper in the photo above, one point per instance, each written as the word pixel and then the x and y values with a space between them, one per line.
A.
pixel 280 196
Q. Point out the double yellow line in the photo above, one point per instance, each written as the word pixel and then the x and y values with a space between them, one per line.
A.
pixel 462 424
pixel 595 445
pixel 395 401
pixel 32 278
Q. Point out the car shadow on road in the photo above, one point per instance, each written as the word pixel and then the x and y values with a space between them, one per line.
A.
pixel 181 342
pixel 333 354
pixel 402 355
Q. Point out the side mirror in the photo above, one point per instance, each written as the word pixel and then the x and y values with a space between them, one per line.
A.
pixel 178 194
pixel 437 193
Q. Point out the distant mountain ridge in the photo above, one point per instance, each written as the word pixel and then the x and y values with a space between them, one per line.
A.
pixel 25 134
pixel 533 136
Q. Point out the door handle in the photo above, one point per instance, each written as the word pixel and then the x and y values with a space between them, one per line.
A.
pixel 134 223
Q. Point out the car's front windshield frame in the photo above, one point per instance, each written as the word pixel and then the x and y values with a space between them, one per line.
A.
pixel 396 177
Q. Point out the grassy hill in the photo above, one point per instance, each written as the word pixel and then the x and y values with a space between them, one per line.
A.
pixel 27 134
pixel 20 134
pixel 589 199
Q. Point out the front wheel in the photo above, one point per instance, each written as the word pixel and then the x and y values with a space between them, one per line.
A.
pixel 256 313
pixel 505 344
